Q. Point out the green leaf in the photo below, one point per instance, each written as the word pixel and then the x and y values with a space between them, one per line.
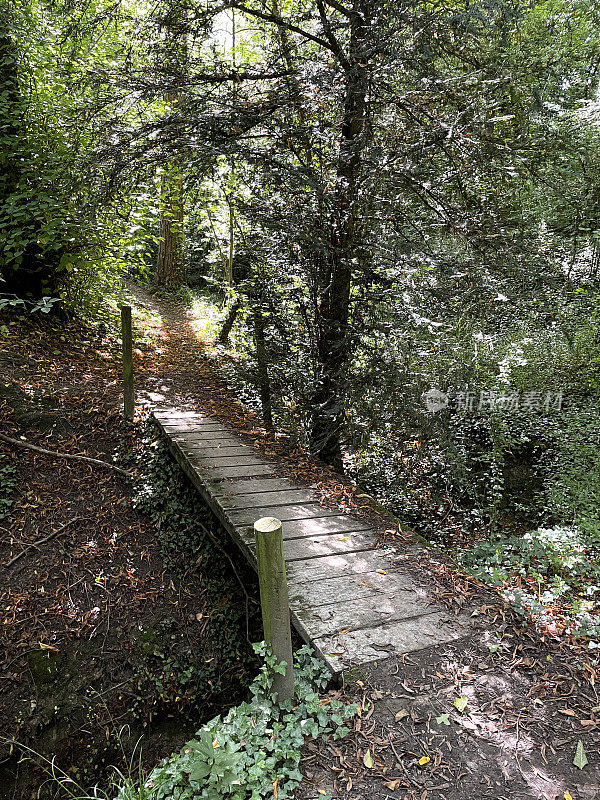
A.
pixel 580 759
pixel 443 719
pixel 368 760
pixel 460 703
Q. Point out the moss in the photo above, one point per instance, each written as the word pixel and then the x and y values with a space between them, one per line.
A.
pixel 44 666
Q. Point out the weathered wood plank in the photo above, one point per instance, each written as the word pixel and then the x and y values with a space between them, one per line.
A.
pixel 339 588
pixel 317 546
pixel 325 567
pixel 216 475
pixel 253 486
pixel 362 646
pixel 189 422
pixel 295 511
pixel 294 529
pixel 223 461
pixel 273 499
pixel 203 436
pixel 213 451
pixel 365 612
pixel 317 526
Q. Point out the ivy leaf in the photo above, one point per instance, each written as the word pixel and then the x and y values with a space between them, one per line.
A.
pixel 460 703
pixel 580 759
pixel 368 760
pixel 443 719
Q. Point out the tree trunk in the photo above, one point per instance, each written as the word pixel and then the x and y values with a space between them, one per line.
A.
pixel 169 263
pixel 334 307
pixel 229 321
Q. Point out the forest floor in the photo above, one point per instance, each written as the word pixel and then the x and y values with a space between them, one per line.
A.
pixel 497 715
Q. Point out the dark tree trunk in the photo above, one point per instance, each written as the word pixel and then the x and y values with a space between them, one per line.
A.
pixel 12 113
pixel 334 308
pixel 169 263
pixel 229 321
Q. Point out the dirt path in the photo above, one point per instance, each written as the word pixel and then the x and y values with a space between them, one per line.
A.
pixel 88 599
pixel 498 715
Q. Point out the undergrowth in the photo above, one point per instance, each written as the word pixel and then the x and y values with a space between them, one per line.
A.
pixel 189 539
pixel 552 573
pixel 8 483
pixel 250 753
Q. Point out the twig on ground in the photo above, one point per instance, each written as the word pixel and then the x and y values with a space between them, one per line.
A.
pixel 55 454
pixel 41 541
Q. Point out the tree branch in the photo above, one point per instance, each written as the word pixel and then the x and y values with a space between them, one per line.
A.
pixel 277 20
pixel 54 454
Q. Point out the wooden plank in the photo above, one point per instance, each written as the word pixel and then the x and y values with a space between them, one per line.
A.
pixel 187 421
pixel 315 547
pixel 201 445
pixel 340 588
pixel 341 564
pixel 203 436
pixel 392 639
pixel 217 474
pixel 208 453
pixel 337 523
pixel 299 529
pixel 273 499
pixel 253 486
pixel 366 612
pixel 223 461
pixel 295 511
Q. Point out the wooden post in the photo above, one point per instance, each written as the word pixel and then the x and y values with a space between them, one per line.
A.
pixel 274 600
pixel 128 399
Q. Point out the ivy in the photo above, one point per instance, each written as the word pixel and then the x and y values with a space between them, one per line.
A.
pixel 8 482
pixel 254 750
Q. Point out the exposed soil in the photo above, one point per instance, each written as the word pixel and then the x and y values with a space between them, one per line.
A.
pixel 97 632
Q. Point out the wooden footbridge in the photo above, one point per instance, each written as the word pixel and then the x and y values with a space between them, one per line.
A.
pixel 348 599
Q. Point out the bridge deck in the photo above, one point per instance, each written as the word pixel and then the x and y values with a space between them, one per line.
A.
pixel 347 598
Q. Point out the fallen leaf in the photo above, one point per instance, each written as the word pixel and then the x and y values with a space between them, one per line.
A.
pixel 580 759
pixel 567 796
pixel 460 703
pixel 567 712
pixel 48 647
pixel 394 784
pixel 400 715
pixel 368 760
pixel 381 571
pixel 424 760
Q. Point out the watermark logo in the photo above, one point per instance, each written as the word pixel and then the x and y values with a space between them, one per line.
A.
pixel 492 400
pixel 435 400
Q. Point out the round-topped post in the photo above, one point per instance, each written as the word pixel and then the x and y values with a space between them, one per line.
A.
pixel 274 600
pixel 127 338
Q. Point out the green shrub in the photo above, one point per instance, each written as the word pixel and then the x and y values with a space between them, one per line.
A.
pixel 255 748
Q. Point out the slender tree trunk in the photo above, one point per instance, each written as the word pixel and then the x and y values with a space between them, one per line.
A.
pixel 229 320
pixel 334 308
pixel 169 263
pixel 12 112
pixel 170 270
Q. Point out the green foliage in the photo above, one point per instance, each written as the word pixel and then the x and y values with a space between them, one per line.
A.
pixel 540 568
pixel 166 682
pixel 8 483
pixel 255 747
